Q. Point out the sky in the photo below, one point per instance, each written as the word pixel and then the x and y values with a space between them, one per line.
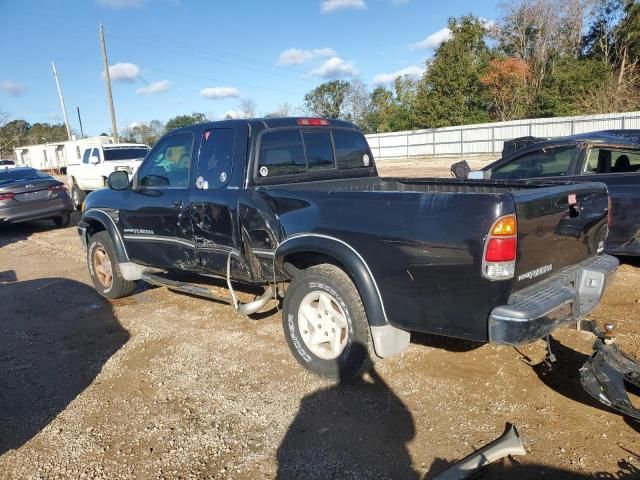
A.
pixel 173 57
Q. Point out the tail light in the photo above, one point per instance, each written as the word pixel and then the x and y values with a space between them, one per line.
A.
pixel 58 188
pixel 500 249
pixel 6 196
pixel 313 122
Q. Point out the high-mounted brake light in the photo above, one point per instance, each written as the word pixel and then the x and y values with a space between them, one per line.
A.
pixel 57 188
pixel 500 249
pixel 313 122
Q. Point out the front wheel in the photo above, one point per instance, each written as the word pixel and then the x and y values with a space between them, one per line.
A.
pixel 104 269
pixel 325 323
pixel 77 196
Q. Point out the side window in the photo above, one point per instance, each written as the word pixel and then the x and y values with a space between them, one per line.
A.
pixel 605 160
pixel 167 166
pixel 216 158
pixel 319 149
pixel 87 154
pixel 550 162
pixel 281 153
pixel 352 149
pixel 95 153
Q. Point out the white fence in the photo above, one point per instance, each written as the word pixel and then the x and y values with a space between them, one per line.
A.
pixel 487 138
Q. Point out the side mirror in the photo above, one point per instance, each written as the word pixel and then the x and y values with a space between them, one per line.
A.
pixel 118 180
pixel 94 160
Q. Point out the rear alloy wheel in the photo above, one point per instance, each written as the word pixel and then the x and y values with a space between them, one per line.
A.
pixel 325 323
pixel 104 269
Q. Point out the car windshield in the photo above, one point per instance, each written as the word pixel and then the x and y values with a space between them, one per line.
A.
pixel 16 175
pixel 7 162
pixel 125 153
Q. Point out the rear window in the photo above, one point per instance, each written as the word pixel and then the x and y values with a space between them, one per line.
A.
pixel 548 162
pixel 352 150
pixel 129 153
pixel 13 175
pixel 296 151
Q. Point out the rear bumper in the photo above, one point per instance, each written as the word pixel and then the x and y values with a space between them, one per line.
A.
pixel 36 211
pixel 535 311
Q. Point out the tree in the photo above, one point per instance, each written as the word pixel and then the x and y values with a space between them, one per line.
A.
pixel 327 100
pixel 184 121
pixel 450 92
pixel 147 133
pixel 357 104
pixel 507 80
pixel 247 108
pixel 12 134
pixel 283 110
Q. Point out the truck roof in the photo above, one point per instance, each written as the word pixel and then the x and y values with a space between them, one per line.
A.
pixel 628 137
pixel 275 122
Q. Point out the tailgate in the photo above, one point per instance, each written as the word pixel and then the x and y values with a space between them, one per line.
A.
pixel 558 227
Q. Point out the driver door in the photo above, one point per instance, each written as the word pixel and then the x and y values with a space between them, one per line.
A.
pixel 154 218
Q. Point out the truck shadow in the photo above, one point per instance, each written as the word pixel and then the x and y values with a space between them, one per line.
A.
pixel 55 336
pixel 355 429
pixel 449 344
pixel 16 232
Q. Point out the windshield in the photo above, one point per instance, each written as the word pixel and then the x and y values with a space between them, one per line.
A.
pixel 14 175
pixel 125 153
pixel 7 162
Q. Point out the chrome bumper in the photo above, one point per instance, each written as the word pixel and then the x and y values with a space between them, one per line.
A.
pixel 535 311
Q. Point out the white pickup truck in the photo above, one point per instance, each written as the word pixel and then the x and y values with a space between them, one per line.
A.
pixel 98 163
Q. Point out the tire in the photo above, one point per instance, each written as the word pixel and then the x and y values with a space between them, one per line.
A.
pixel 104 269
pixel 63 220
pixel 355 348
pixel 77 195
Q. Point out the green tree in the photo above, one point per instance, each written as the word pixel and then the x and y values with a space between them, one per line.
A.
pixel 450 92
pixel 328 99
pixel 12 134
pixel 147 133
pixel 184 121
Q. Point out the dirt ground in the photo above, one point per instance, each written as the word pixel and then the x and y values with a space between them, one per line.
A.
pixel 163 385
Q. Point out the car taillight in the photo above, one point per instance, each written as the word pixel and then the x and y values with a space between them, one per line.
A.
pixel 6 196
pixel 313 122
pixel 58 188
pixel 500 249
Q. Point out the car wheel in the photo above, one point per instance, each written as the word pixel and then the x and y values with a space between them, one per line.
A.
pixel 325 323
pixel 63 220
pixel 77 196
pixel 104 270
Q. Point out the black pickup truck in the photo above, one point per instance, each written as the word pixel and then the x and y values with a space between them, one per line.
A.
pixel 295 206
pixel 608 156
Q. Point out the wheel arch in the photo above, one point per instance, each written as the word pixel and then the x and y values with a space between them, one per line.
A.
pixel 302 251
pixel 98 220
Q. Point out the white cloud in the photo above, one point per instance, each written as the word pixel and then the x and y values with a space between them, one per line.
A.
pixel 123 72
pixel 155 87
pixel 414 72
pixel 219 92
pixel 118 4
pixel 133 125
pixel 329 6
pixel 335 67
pixel 11 88
pixel 233 114
pixel 296 56
pixel 434 40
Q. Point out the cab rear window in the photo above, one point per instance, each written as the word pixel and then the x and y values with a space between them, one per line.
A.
pixel 297 151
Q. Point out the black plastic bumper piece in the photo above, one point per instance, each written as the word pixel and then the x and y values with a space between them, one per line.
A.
pixel 536 311
pixel 603 376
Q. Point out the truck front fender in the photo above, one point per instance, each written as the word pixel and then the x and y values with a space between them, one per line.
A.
pixel 95 220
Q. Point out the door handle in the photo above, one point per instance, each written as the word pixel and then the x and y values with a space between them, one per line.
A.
pixel 176 204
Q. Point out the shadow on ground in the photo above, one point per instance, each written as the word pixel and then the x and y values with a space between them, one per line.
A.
pixel 16 232
pixel 356 429
pixel 55 336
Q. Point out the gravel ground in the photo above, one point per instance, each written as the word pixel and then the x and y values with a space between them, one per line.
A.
pixel 163 385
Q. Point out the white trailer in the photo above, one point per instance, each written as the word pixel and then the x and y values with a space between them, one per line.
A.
pixel 57 155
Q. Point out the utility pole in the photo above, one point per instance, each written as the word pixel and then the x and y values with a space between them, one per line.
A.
pixel 80 121
pixel 64 110
pixel 114 129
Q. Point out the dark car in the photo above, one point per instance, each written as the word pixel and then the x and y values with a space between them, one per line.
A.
pixel 294 207
pixel 609 156
pixel 29 194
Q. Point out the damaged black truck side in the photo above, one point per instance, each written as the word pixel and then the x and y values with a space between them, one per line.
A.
pixel 295 207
